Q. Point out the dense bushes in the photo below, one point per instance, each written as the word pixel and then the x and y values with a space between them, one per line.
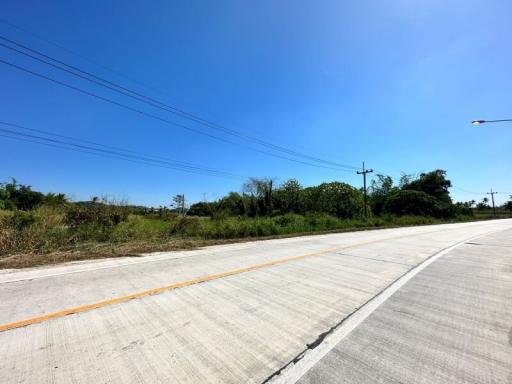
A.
pixel 19 196
pixel 48 229
pixel 260 199
pixel 411 203
pixel 427 194
pixel 103 215
pixel 31 221
pixel 335 199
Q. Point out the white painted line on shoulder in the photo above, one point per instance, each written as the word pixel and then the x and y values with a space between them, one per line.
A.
pixel 304 363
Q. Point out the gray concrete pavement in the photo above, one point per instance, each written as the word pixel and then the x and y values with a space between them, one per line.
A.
pixel 242 327
pixel 451 323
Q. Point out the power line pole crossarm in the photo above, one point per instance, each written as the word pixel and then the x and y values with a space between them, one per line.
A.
pixel 364 172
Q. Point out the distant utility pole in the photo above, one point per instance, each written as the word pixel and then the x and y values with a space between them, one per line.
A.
pixel 179 203
pixel 364 172
pixel 492 198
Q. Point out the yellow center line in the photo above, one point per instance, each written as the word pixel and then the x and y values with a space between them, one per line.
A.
pixel 154 291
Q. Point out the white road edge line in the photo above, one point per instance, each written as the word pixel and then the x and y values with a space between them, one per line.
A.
pixel 294 372
pixel 154 258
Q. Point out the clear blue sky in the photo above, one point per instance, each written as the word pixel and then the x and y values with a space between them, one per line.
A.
pixel 394 83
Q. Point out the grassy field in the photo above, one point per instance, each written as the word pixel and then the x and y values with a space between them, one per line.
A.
pixel 51 235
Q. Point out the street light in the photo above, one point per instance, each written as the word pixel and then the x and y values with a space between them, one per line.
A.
pixel 478 122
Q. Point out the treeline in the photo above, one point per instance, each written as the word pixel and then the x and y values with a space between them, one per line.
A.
pixel 426 195
pixel 22 197
pixel 33 222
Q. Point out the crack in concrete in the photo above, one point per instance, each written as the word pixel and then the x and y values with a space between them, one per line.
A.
pixel 321 337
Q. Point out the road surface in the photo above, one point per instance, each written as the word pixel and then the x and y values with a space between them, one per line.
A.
pixel 429 304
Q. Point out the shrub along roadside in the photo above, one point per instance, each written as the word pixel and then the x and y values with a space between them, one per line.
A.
pixel 35 224
pixel 47 230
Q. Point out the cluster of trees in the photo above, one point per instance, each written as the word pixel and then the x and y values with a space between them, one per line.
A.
pixel 427 194
pixel 22 197
pixel 260 198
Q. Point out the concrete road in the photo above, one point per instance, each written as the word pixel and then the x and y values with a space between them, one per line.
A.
pixel 425 304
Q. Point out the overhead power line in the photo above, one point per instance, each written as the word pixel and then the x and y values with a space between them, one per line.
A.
pixel 466 191
pixel 118 153
pixel 88 59
pixel 156 117
pixel 159 104
pixel 94 143
pixel 98 154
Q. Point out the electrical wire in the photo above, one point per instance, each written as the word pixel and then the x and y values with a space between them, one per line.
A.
pixel 147 114
pixel 118 155
pixel 158 104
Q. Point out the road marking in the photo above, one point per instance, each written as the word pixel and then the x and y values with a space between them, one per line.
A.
pixel 199 280
pixel 203 279
pixel 298 367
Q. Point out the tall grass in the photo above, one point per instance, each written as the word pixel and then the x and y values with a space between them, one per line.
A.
pixel 47 229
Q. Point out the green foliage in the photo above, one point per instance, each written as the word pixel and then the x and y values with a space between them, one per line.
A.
pixel 139 228
pixel 21 219
pixel 55 200
pixel 426 195
pixel 335 199
pixel 410 202
pixel 483 205
pixel 19 196
pixel 190 226
pixel 432 183
pixel 261 196
pixel 464 208
pixel 95 214
pixel 231 205
pixel 201 209
pixel 34 222
pixel 288 197
pixel 379 192
pixel 508 205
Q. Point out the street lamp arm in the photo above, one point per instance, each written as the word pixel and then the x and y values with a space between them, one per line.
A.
pixel 476 122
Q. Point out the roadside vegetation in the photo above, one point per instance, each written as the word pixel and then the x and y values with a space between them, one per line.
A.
pixel 37 228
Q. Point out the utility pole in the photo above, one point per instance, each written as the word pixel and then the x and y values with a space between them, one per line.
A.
pixel 492 198
pixel 364 172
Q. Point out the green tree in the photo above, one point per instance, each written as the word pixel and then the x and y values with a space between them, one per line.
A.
pixel 508 204
pixel 261 192
pixel 232 204
pixel 433 183
pixel 201 209
pixel 287 198
pixel 410 202
pixel 483 205
pixel 55 199
pixel 14 195
pixel 380 188
pixel 336 199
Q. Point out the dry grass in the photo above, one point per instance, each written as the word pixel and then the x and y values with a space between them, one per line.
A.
pixel 94 250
